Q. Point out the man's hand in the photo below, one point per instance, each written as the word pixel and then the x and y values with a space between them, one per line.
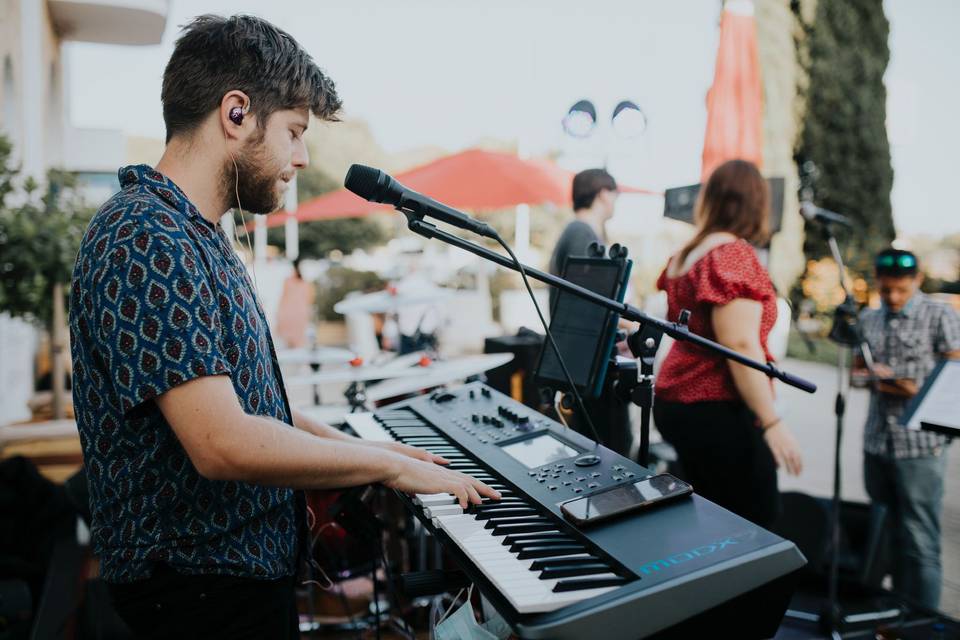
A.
pixel 417 476
pixel 410 452
pixel 904 388
pixel 882 371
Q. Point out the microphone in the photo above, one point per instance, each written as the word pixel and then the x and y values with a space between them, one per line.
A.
pixel 376 186
pixel 813 213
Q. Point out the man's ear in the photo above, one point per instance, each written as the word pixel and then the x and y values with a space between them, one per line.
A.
pixel 233 114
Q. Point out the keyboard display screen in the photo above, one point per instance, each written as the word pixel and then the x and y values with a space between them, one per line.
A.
pixel 540 450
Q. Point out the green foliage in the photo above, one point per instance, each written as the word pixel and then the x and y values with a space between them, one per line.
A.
pixel 337 283
pixel 844 53
pixel 39 239
pixel 318 238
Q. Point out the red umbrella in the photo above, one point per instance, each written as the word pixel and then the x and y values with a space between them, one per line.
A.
pixel 735 100
pixel 474 179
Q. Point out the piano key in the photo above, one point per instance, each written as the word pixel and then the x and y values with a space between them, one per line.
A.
pixel 436 510
pixel 522 537
pixel 487 515
pixel 530 553
pixel 427 499
pixel 574 570
pixel 529 519
pixel 367 428
pixel 545 563
pixel 500 505
pixel 544 542
pixel 507 529
pixel 522 587
pixel 593 582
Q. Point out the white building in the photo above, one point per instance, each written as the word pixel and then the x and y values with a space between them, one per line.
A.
pixel 34 114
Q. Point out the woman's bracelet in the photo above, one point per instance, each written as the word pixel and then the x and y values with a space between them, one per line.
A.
pixel 770 425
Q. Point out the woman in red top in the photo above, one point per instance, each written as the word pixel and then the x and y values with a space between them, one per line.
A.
pixel 717 414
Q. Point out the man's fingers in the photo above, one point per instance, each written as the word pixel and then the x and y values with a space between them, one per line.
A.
pixel 462 496
pixel 485 490
pixel 474 496
pixel 439 459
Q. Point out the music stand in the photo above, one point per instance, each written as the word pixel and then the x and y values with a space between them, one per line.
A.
pixel 935 407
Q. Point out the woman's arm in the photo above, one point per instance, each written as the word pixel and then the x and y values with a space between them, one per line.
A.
pixel 737 326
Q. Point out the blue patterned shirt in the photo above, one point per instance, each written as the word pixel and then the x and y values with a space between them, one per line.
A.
pixel 158 298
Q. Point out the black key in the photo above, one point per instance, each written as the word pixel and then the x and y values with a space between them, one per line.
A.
pixel 488 515
pixel 539 542
pixel 534 519
pixel 546 535
pixel 493 506
pixel 548 563
pixel 579 584
pixel 572 570
pixel 510 501
pixel 550 552
pixel 521 527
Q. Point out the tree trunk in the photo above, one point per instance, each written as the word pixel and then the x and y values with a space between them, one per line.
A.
pixel 58 342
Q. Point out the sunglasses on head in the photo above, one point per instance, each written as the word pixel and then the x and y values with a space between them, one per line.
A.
pixel 898 261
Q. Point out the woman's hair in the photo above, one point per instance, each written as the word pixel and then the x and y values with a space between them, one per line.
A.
pixel 736 199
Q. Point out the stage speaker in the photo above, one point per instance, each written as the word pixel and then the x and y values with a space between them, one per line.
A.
pixel 679 203
pixel 864 557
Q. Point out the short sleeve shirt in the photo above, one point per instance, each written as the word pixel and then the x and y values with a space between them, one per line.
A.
pixel 910 342
pixel 159 298
pixel 727 272
pixel 574 241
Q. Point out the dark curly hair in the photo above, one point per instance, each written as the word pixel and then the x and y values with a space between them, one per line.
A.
pixel 215 55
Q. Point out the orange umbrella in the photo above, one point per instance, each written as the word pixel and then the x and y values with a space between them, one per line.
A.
pixel 735 100
pixel 474 179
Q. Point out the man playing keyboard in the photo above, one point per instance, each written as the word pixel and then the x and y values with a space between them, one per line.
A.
pixel 190 449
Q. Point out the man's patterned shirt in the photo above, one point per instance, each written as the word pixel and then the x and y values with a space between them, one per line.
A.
pixel 159 298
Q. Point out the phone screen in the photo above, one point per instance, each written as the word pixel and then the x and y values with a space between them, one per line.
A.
pixel 626 498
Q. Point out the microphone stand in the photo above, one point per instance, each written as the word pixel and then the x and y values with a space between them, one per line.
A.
pixel 676 330
pixel 845 332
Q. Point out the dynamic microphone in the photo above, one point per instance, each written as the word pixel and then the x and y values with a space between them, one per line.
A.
pixel 813 213
pixel 376 186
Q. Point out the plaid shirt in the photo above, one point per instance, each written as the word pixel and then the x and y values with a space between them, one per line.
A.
pixel 910 342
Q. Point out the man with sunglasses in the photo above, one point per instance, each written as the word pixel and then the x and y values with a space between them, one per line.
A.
pixel 904 469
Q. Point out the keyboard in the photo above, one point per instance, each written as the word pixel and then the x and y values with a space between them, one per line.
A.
pixel 637 575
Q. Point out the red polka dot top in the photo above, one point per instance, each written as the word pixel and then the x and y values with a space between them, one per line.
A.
pixel 727 272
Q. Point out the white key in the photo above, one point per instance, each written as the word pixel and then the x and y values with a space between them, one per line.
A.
pixel 427 499
pixel 512 576
pixel 435 511
pixel 368 428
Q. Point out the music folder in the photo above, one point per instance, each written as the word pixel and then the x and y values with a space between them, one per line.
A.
pixel 937 406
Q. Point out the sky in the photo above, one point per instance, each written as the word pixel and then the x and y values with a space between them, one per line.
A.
pixel 448 74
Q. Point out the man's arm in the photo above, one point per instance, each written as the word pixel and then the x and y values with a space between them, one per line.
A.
pixel 225 443
pixel 321 430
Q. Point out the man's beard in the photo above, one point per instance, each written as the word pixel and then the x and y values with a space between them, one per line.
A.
pixel 252 183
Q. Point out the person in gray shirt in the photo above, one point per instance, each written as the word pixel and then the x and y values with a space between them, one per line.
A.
pixel 594 196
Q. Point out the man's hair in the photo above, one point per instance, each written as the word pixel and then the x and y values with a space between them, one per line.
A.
pixel 215 55
pixel 587 184
pixel 896 263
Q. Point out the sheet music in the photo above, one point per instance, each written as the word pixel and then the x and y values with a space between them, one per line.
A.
pixel 941 403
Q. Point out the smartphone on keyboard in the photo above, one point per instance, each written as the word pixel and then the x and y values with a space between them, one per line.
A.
pixel 625 498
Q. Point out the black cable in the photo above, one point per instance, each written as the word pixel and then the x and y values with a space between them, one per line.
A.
pixel 553 343
pixel 376 599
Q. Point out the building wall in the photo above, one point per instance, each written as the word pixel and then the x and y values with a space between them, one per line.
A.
pixel 779 68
